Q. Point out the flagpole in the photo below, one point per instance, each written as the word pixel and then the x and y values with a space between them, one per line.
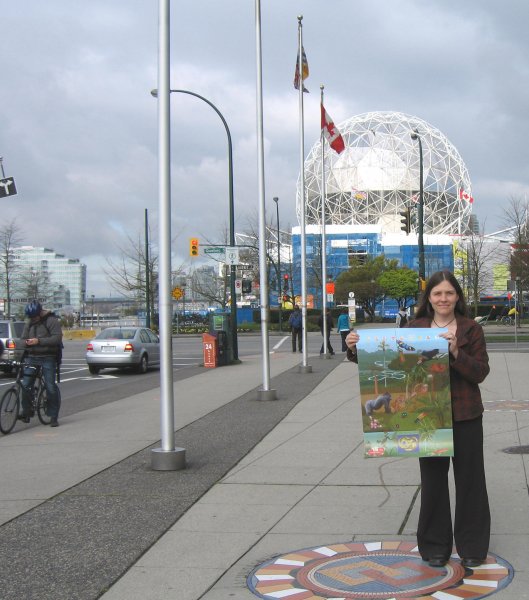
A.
pixel 266 393
pixel 304 367
pixel 323 243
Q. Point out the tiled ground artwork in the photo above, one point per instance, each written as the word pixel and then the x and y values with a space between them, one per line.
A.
pixel 387 570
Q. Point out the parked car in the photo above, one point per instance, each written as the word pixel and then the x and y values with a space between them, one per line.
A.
pixel 123 347
pixel 13 348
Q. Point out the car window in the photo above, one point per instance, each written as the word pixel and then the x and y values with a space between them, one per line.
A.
pixel 113 333
pixel 154 338
pixel 4 331
pixel 19 328
pixel 144 336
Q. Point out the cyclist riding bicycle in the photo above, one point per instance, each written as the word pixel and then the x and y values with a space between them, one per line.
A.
pixel 43 335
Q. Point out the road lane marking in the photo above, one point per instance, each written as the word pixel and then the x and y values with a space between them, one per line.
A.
pixel 282 341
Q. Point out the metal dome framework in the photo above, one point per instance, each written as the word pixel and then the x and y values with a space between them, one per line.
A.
pixel 377 175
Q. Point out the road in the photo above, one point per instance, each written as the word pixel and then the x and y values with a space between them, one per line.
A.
pixel 81 391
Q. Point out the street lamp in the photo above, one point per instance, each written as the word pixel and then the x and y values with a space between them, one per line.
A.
pixel 279 291
pixel 233 304
pixel 420 211
pixel 92 321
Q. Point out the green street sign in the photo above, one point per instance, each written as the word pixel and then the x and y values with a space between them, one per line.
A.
pixel 214 250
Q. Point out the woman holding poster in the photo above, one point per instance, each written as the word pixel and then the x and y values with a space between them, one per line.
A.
pixel 443 306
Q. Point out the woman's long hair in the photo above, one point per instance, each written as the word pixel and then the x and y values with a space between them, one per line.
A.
pixel 425 308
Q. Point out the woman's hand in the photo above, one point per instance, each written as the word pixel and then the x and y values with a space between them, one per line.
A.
pixel 452 342
pixel 352 339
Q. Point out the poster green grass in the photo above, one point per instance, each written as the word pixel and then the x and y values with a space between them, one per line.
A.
pixel 405 392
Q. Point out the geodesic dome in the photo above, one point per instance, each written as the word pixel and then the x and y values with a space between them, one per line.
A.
pixel 377 176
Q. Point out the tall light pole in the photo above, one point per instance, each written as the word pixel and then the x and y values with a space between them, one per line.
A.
pixel 420 211
pixel 147 274
pixel 167 457
pixel 233 273
pixel 279 290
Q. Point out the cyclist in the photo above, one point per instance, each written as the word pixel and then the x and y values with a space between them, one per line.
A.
pixel 43 335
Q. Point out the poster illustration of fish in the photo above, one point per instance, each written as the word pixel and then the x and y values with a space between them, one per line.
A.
pixel 405 392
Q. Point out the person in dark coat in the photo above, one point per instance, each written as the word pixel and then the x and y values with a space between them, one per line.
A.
pixel 330 325
pixel 296 327
pixel 443 306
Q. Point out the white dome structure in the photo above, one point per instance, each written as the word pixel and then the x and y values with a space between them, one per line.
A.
pixel 377 176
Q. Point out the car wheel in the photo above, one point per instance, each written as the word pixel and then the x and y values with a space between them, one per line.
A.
pixel 143 365
pixel 93 369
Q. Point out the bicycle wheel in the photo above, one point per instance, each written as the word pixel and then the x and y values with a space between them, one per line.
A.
pixel 42 407
pixel 9 409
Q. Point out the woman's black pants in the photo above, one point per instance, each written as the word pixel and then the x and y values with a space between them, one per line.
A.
pixel 471 529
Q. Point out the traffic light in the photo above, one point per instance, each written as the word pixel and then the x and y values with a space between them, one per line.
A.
pixel 246 286
pixel 406 220
pixel 193 247
pixel 285 282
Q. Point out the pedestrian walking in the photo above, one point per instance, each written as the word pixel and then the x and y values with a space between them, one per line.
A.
pixel 443 306
pixel 296 327
pixel 402 317
pixel 343 327
pixel 330 324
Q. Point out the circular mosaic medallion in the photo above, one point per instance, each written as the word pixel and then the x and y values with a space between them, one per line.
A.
pixel 365 570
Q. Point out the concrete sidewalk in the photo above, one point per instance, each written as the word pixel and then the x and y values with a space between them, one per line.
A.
pixel 307 484
pixel 304 484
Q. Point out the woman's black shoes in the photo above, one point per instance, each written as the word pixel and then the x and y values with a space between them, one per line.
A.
pixel 471 563
pixel 437 561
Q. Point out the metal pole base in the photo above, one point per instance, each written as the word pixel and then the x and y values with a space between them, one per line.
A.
pixel 168 460
pixel 266 395
pixel 304 369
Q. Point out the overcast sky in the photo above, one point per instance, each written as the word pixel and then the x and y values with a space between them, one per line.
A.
pixel 78 128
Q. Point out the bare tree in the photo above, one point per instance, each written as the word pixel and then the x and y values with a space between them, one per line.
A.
pixel 516 218
pixel 10 238
pixel 34 284
pixel 474 260
pixel 132 273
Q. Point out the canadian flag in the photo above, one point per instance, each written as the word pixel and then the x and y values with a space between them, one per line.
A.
pixel 330 132
pixel 464 196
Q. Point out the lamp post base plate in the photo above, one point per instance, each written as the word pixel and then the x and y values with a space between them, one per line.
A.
pixel 266 395
pixel 168 460
pixel 305 369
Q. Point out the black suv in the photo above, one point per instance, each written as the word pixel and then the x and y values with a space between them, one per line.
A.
pixel 10 332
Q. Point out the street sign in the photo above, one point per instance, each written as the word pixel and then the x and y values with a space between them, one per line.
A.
pixel 214 250
pixel 351 306
pixel 7 187
pixel 238 286
pixel 232 255
pixel 177 293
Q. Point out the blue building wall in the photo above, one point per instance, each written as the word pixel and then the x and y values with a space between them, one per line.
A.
pixel 340 247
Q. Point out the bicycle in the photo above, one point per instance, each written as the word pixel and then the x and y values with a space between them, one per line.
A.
pixel 505 320
pixel 12 398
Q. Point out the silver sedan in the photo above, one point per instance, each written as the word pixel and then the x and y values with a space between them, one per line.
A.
pixel 123 347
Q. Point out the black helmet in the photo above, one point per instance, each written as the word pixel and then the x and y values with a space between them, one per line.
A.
pixel 33 309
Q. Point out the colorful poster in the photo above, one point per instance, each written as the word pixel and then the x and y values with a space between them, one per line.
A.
pixel 405 392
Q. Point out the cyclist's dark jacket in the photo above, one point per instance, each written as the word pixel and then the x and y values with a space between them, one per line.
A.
pixel 47 328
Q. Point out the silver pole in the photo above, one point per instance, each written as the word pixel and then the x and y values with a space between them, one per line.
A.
pixel 323 244
pixel 166 458
pixel 266 393
pixel 2 167
pixel 305 367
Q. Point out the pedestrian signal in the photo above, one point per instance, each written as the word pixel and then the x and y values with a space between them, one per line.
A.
pixel 405 220
pixel 193 247
pixel 246 286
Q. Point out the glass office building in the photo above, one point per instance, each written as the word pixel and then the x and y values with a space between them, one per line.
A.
pixel 59 282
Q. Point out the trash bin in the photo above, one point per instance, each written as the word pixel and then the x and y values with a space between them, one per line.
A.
pixel 209 349
pixel 220 327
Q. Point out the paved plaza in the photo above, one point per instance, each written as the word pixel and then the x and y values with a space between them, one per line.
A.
pixel 277 500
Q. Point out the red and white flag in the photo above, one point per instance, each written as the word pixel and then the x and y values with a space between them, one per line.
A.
pixel 464 196
pixel 330 132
